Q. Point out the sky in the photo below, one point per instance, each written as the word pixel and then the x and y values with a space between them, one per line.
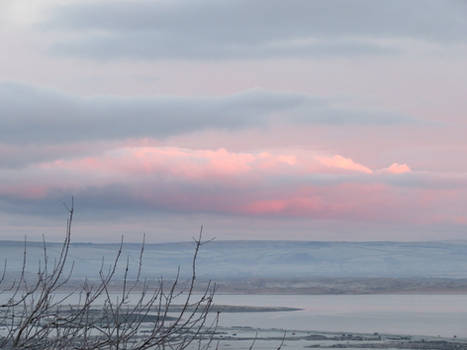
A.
pixel 339 120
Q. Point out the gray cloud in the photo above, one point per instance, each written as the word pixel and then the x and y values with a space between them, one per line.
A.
pixel 244 29
pixel 32 115
pixel 19 155
pixel 136 46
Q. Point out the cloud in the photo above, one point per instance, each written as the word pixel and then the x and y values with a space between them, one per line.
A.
pixel 138 180
pixel 396 168
pixel 210 29
pixel 34 115
pixel 172 162
pixel 20 154
pixel 134 45
pixel 343 163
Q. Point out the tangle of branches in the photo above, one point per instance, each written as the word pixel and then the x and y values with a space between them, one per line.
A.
pixel 37 315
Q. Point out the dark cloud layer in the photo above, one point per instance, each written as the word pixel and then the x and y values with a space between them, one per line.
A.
pixel 244 29
pixel 31 115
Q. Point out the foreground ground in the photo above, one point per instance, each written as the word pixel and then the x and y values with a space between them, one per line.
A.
pixel 243 338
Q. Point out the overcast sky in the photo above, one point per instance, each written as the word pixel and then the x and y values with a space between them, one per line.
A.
pixel 265 119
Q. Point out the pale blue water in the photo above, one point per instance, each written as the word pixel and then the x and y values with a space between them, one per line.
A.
pixel 433 315
pixel 444 315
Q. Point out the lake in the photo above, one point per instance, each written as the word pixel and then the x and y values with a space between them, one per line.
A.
pixel 444 315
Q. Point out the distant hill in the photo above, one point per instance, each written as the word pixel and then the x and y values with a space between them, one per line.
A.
pixel 230 260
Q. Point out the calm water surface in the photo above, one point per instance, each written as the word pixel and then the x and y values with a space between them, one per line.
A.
pixel 444 315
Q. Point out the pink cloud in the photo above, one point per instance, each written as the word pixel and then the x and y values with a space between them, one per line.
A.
pixel 294 206
pixel 343 163
pixel 264 183
pixel 396 168
pixel 173 161
pixel 345 201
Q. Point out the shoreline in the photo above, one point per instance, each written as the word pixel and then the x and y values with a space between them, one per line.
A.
pixel 308 339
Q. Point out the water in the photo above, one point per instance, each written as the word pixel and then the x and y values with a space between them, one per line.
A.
pixel 433 315
pixel 444 315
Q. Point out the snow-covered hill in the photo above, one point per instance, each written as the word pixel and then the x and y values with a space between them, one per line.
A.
pixel 264 259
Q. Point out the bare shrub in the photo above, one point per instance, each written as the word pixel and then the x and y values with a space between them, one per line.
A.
pixel 38 316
